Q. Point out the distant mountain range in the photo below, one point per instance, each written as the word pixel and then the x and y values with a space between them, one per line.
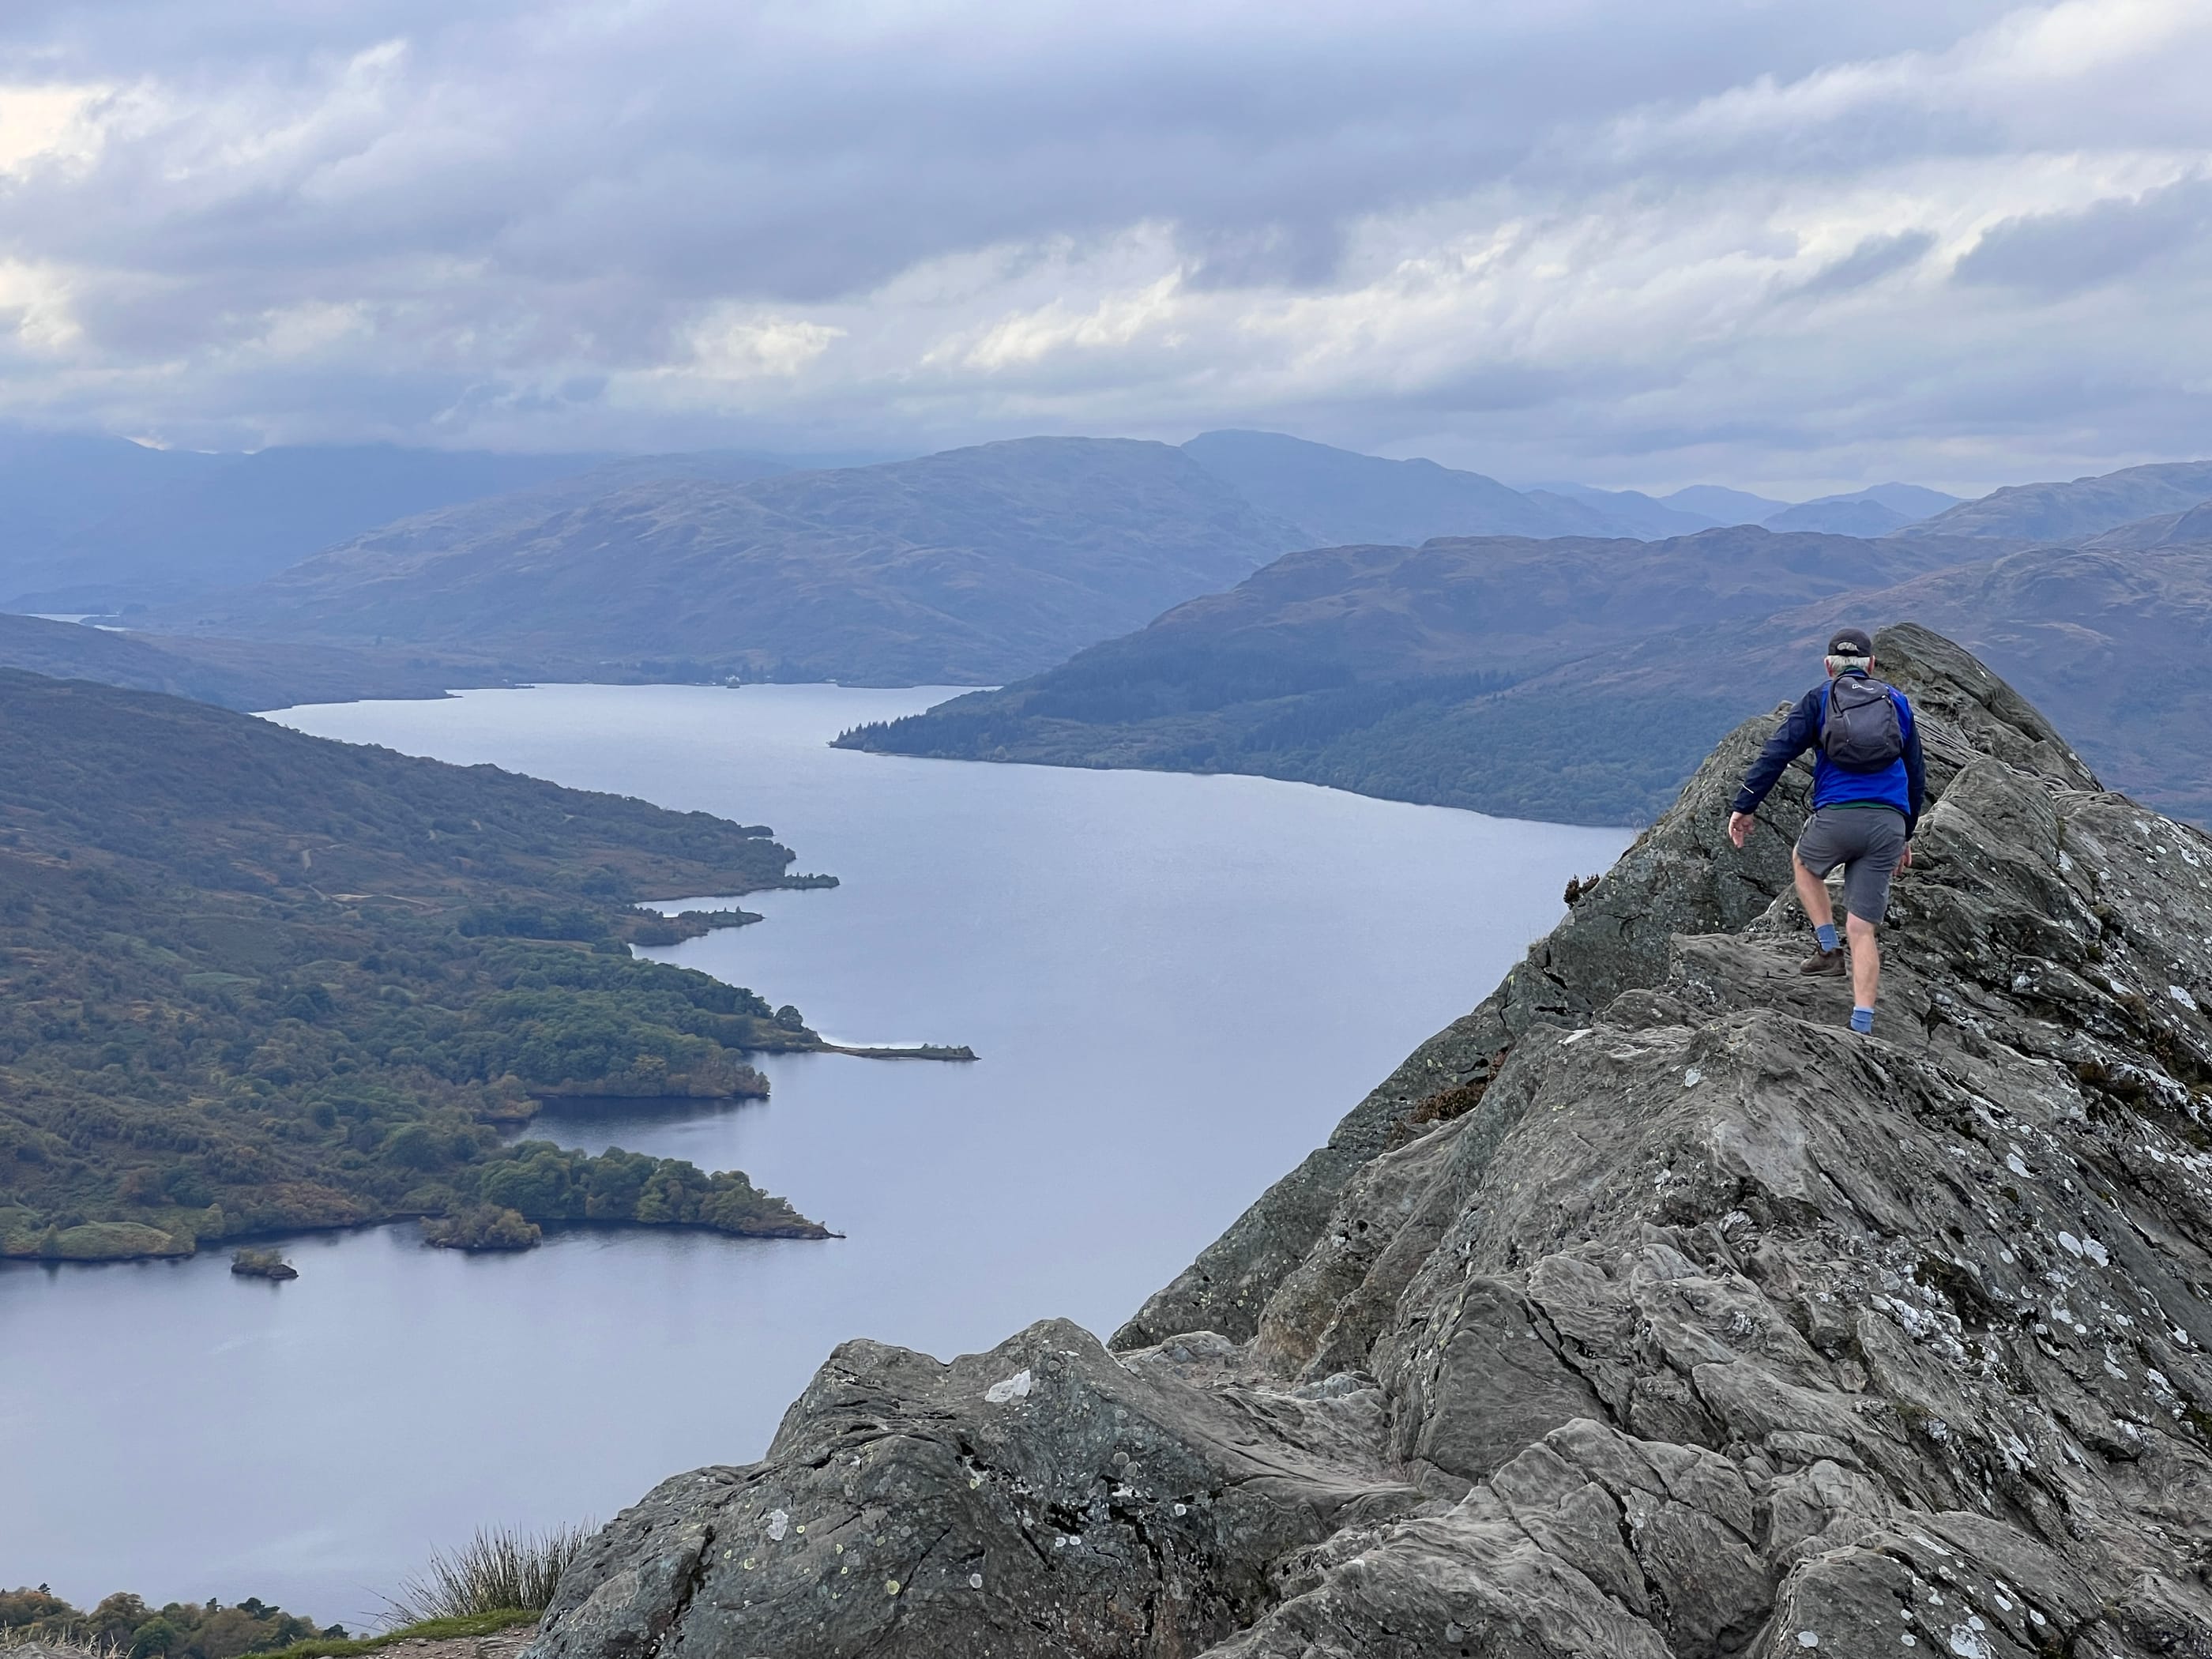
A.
pixel 1336 496
pixel 966 566
pixel 326 573
pixel 1875 512
pixel 98 523
pixel 1340 496
pixel 977 565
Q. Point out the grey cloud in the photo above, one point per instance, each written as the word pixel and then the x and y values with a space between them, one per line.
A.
pixel 1872 259
pixel 2057 253
pixel 535 200
pixel 702 148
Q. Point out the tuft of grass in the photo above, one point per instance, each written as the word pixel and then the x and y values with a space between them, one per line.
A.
pixel 500 1569
pixel 68 1640
pixel 426 1630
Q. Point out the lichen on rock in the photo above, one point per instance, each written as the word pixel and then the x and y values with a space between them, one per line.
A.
pixel 1702 1328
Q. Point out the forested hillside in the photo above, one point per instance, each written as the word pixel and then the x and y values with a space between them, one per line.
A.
pixel 252 980
pixel 1399 672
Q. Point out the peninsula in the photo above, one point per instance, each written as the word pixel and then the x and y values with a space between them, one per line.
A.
pixel 254 981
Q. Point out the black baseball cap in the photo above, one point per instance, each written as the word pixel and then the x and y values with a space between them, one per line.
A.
pixel 1850 642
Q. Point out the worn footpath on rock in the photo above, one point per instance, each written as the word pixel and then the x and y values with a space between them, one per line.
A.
pixel 1645 1312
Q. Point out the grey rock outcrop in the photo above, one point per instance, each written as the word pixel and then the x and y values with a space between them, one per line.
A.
pixel 1645 1311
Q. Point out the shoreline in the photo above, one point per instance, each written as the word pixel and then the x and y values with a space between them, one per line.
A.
pixel 812 1232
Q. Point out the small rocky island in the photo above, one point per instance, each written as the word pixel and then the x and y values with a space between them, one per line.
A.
pixel 251 1263
pixel 481 1227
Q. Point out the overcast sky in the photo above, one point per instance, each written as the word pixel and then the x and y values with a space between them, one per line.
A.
pixel 1785 244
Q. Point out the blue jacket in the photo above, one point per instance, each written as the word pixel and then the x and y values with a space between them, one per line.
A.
pixel 1902 784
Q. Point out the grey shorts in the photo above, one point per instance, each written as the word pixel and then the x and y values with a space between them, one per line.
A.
pixel 1868 841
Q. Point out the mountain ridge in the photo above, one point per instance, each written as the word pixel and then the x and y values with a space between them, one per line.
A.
pixel 1644 1311
pixel 2055 512
pixel 965 566
pixel 1340 496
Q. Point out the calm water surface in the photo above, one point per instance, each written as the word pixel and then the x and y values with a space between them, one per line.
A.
pixel 1176 985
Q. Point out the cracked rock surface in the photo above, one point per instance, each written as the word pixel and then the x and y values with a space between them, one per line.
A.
pixel 1645 1310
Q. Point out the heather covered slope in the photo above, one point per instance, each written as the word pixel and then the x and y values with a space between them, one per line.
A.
pixel 1645 1311
pixel 1385 669
pixel 968 567
pixel 2116 646
pixel 1581 682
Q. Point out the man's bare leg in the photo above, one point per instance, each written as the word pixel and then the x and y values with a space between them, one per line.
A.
pixel 1866 959
pixel 1812 894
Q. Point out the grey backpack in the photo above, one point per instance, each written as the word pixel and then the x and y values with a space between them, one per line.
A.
pixel 1862 733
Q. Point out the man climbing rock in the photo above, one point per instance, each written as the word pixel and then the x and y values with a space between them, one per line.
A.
pixel 1869 784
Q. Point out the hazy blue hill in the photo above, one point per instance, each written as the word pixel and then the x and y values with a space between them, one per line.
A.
pixel 1373 668
pixel 1723 506
pixel 236 519
pixel 1840 515
pixel 1629 512
pixel 975 566
pixel 2067 512
pixel 1874 512
pixel 55 483
pixel 1915 501
pixel 1337 496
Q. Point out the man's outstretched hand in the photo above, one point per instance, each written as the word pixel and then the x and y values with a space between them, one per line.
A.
pixel 1739 825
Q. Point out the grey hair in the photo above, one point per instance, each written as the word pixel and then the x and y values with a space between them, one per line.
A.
pixel 1838 664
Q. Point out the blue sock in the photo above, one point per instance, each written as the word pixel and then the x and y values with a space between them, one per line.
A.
pixel 1862 1021
pixel 1826 932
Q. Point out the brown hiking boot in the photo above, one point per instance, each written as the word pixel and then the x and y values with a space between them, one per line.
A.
pixel 1825 961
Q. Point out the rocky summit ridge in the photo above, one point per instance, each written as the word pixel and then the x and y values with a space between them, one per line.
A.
pixel 1643 1313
